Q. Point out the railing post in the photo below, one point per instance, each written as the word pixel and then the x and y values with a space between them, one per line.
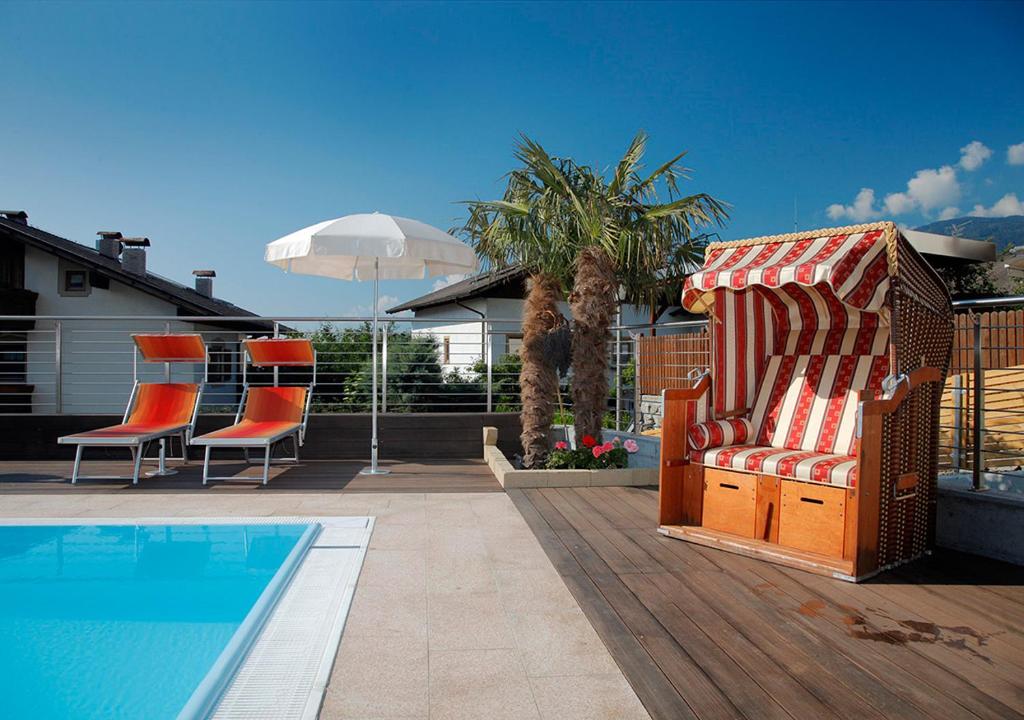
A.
pixel 489 354
pixel 167 365
pixel 58 362
pixel 958 422
pixel 384 370
pixel 618 368
pixel 277 333
pixel 636 381
pixel 978 409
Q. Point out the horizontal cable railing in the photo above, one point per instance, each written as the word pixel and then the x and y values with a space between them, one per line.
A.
pixel 85 365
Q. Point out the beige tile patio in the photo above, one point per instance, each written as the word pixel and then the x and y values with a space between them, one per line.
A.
pixel 444 543
pixel 396 613
pixel 561 643
pixel 475 684
pixel 378 677
pixel 394 570
pixel 398 537
pixel 459 575
pixel 468 621
pixel 593 697
pixel 534 590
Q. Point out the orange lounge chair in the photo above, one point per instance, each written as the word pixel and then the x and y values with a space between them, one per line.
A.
pixel 267 415
pixel 156 411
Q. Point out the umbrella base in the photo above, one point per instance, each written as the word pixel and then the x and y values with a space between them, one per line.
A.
pixel 374 471
pixel 162 473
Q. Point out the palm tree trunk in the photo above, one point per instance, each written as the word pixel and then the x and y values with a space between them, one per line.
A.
pixel 538 380
pixel 593 302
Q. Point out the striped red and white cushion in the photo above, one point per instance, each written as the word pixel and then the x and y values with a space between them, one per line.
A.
pixel 838 470
pixel 809 402
pixel 716 433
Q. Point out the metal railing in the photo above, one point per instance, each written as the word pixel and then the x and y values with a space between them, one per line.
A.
pixel 83 365
pixel 982 426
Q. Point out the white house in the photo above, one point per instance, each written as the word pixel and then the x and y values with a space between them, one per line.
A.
pixel 454 314
pixel 44 275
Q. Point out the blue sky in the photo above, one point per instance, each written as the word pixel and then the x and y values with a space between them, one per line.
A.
pixel 216 128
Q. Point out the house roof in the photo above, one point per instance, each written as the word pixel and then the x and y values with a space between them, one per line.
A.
pixel 188 301
pixel 942 247
pixel 479 285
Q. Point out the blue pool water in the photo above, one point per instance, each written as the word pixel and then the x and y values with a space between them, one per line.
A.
pixel 125 621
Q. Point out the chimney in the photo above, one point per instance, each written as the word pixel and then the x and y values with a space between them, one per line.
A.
pixel 204 282
pixel 18 216
pixel 133 255
pixel 109 243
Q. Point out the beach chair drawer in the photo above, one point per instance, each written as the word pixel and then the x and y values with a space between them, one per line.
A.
pixel 730 502
pixel 812 517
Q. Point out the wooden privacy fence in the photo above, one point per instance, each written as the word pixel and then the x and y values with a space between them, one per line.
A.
pixel 665 361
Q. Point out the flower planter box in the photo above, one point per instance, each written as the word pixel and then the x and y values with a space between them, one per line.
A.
pixel 509 477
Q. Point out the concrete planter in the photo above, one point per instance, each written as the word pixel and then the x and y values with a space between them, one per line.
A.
pixel 510 478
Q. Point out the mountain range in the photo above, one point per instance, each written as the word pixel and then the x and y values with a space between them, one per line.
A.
pixel 1004 232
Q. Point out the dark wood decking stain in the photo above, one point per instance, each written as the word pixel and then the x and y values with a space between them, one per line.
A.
pixel 703 633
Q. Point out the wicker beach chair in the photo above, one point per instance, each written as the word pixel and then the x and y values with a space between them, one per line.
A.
pixel 812 439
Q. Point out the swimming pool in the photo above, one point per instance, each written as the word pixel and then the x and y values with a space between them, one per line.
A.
pixel 133 621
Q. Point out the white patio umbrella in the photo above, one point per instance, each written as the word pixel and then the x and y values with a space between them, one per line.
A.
pixel 371 245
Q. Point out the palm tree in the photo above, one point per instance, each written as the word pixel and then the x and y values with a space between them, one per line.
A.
pixel 627 239
pixel 570 226
pixel 522 229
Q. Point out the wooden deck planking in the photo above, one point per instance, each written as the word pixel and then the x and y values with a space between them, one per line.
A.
pixel 316 476
pixel 735 637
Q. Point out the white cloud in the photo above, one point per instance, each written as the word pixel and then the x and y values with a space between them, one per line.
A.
pixel 1008 204
pixel 1015 154
pixel 863 207
pixel 973 154
pixel 932 188
pixel 949 213
pixel 447 280
pixel 899 203
pixel 928 189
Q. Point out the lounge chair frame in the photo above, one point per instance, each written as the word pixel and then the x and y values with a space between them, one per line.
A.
pixel 883 514
pixel 139 444
pixel 297 435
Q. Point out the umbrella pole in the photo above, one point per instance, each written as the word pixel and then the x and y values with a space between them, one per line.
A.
pixel 373 469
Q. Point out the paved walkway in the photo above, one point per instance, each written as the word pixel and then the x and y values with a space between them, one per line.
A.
pixel 458 612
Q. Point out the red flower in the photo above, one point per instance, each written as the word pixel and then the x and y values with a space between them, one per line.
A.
pixel 589 441
pixel 598 451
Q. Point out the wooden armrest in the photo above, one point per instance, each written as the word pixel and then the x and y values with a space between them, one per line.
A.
pixel 692 393
pixel 915 379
